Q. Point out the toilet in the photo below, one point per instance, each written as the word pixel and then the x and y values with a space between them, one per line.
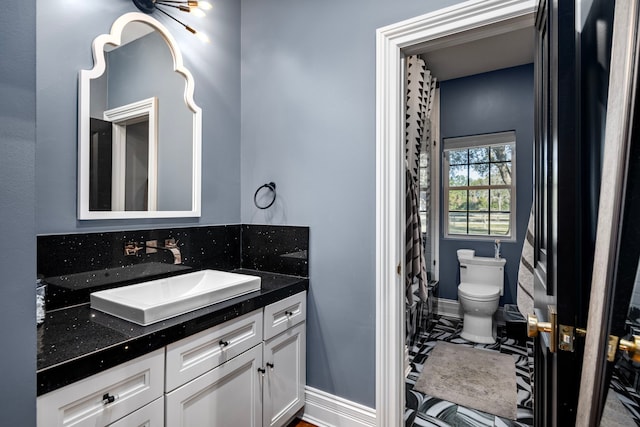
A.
pixel 481 285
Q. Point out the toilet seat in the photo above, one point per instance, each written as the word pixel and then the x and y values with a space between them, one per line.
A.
pixel 478 292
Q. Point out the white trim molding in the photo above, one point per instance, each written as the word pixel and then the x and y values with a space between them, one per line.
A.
pixel 326 410
pixel 120 117
pixel 460 23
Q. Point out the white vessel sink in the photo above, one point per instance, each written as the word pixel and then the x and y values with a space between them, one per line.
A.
pixel 149 302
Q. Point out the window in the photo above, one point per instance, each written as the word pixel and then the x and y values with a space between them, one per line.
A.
pixel 425 190
pixel 480 186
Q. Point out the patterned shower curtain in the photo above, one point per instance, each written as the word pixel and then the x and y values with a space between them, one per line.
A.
pixel 420 90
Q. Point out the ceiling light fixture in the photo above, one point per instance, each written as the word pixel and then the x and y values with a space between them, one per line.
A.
pixel 196 8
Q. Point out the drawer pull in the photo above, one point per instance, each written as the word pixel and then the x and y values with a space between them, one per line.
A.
pixel 262 371
pixel 223 343
pixel 270 365
pixel 108 398
pixel 288 313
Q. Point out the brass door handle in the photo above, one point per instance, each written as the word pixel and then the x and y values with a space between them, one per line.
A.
pixel 534 327
pixel 631 347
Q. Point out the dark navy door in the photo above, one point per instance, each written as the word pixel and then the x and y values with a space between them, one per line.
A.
pixel 572 62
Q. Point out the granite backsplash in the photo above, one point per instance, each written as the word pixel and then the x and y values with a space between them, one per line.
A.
pixel 74 265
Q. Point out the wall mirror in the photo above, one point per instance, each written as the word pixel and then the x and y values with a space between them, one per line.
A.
pixel 139 129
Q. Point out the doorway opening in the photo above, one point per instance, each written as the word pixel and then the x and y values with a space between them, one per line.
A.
pixel 444 29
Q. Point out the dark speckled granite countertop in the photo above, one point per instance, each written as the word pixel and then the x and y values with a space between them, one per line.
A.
pixel 77 342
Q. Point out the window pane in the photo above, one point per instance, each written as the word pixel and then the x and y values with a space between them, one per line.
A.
pixel 424 178
pixel 479 223
pixel 423 201
pixel 458 176
pixel 458 200
pixel 423 222
pixel 501 173
pixel 501 153
pixel 458 157
pixel 424 159
pixel 479 174
pixel 478 200
pixel 500 224
pixel 474 211
pixel 479 155
pixel 501 200
pixel 457 223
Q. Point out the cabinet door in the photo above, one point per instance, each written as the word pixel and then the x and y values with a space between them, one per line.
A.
pixel 151 415
pixel 285 378
pixel 229 395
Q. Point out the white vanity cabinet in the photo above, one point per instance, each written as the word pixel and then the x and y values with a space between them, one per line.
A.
pixel 199 353
pixel 239 373
pixel 105 398
pixel 151 415
pixel 213 378
pixel 229 395
pixel 249 372
pixel 284 359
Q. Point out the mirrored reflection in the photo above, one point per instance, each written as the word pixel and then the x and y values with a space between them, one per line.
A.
pixel 143 137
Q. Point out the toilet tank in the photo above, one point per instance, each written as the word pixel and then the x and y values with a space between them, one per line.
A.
pixel 482 270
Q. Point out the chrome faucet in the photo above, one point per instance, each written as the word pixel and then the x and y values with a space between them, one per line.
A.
pixel 151 246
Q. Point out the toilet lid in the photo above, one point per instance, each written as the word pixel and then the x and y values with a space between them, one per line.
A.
pixel 479 291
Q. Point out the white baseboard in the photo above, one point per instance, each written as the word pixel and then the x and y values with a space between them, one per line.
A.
pixel 326 410
pixel 452 308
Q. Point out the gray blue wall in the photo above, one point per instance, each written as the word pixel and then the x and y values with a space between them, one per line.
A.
pixel 308 124
pixel 17 213
pixel 491 102
pixel 64 47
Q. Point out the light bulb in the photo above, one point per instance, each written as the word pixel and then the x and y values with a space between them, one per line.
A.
pixel 203 37
pixel 198 12
pixel 205 5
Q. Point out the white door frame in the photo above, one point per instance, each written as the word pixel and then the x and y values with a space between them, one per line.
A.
pixel 461 23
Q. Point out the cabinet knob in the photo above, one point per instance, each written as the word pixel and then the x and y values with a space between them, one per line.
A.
pixel 262 371
pixel 223 343
pixel 288 313
pixel 270 365
pixel 108 398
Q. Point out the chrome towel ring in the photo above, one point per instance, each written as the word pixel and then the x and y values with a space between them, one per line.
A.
pixel 270 186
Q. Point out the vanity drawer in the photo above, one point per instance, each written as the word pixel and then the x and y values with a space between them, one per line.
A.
pixel 151 415
pixel 281 315
pixel 199 353
pixel 105 397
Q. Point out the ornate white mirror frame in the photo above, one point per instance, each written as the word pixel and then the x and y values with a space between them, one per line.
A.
pixel 115 39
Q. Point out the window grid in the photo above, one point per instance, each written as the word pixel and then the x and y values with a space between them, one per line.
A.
pixel 422 209
pixel 491 213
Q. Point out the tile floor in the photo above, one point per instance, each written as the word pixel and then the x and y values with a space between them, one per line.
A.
pixel 630 400
pixel 424 410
